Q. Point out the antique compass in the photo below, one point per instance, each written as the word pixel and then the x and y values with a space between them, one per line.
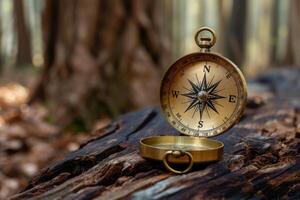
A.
pixel 202 95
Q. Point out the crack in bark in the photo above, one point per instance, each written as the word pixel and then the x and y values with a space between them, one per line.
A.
pixel 147 119
pixel 112 128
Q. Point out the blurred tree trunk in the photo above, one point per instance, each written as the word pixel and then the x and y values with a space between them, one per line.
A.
pixel 275 33
pixel 236 32
pixel 292 56
pixel 23 34
pixel 222 25
pixel 101 57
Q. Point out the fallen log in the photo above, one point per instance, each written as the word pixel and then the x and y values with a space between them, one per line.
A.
pixel 261 155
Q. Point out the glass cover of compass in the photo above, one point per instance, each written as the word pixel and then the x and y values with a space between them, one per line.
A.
pixel 203 94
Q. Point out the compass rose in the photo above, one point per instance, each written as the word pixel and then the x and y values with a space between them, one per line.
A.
pixel 203 96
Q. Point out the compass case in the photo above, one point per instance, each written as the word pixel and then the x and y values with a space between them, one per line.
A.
pixel 201 149
pixel 203 94
pixel 204 84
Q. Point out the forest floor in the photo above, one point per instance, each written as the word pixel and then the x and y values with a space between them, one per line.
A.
pixel 28 141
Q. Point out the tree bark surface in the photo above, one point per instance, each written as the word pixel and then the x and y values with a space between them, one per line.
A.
pixel 261 155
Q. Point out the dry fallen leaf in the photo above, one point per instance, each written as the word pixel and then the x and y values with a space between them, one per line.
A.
pixel 12 94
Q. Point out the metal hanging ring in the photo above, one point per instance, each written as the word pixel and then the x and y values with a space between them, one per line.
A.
pixel 205 42
pixel 165 161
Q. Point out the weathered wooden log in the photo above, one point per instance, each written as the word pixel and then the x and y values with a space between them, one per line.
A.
pixel 261 159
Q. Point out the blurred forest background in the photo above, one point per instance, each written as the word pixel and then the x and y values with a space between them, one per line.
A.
pixel 68 66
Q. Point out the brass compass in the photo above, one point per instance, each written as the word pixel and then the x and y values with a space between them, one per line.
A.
pixel 203 94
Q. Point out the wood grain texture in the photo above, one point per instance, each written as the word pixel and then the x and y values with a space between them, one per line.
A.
pixel 261 159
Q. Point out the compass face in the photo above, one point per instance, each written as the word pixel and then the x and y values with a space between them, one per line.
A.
pixel 203 94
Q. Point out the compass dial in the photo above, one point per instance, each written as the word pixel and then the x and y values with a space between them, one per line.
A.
pixel 203 94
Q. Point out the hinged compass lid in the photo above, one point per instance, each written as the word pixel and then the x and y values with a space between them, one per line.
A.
pixel 181 149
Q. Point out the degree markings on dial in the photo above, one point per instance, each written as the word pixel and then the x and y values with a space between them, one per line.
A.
pixel 228 75
pixel 178 115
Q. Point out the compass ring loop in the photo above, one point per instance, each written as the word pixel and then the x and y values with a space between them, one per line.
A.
pixel 176 155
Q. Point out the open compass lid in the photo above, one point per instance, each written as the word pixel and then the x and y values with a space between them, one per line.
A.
pixel 181 149
pixel 202 95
